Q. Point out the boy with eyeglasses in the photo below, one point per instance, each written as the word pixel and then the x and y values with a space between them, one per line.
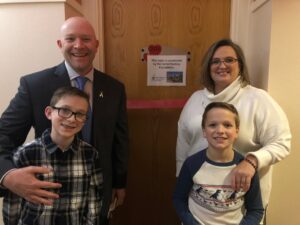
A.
pixel 72 162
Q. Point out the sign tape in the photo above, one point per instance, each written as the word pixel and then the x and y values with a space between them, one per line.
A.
pixel 156 104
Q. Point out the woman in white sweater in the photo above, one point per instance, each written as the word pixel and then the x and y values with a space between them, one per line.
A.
pixel 264 136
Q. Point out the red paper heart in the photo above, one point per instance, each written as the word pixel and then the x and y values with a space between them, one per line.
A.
pixel 154 49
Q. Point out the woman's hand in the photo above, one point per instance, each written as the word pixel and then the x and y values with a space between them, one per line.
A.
pixel 242 174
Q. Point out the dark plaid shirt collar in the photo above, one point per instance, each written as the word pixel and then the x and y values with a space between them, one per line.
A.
pixel 51 147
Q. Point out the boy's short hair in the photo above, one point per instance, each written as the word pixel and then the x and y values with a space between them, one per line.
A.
pixel 222 105
pixel 67 91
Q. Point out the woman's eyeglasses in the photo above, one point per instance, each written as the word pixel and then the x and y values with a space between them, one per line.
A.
pixel 227 61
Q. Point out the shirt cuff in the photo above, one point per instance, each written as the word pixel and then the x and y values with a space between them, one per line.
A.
pixel 2 178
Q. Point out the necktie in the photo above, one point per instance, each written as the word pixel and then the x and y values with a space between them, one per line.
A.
pixel 87 128
pixel 80 80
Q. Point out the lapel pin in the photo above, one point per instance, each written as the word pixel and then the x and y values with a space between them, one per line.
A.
pixel 101 94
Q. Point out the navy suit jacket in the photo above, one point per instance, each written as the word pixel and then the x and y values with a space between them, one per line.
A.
pixel 110 127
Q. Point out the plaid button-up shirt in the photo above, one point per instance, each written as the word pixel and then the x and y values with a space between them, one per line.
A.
pixel 80 197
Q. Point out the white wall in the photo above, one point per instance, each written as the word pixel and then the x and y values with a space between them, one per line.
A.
pixel 259 43
pixel 93 11
pixel 239 22
pixel 251 26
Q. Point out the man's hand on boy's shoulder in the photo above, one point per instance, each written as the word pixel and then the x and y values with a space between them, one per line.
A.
pixel 23 182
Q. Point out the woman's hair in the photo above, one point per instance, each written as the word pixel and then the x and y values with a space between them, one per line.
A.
pixel 205 76
pixel 67 91
pixel 221 105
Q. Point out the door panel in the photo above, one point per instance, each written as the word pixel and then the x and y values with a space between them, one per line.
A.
pixel 129 25
pixel 151 168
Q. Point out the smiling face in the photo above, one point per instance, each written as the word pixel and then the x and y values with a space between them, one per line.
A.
pixel 78 44
pixel 220 129
pixel 223 74
pixel 64 129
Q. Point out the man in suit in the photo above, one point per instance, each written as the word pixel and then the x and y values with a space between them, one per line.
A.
pixel 109 130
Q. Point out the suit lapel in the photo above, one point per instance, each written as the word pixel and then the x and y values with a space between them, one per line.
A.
pixel 100 106
pixel 61 74
pixel 99 92
pixel 60 77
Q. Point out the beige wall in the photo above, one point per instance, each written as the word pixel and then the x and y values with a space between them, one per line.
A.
pixel 270 38
pixel 284 86
pixel 28 42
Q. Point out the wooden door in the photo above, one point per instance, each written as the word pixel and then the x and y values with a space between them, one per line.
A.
pixel 130 25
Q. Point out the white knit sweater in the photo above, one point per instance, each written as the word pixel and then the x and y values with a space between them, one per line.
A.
pixel 264 129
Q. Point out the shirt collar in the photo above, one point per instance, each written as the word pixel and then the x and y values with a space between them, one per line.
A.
pixel 51 147
pixel 73 74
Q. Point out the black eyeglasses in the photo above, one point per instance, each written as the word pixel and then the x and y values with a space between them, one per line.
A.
pixel 226 61
pixel 67 113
